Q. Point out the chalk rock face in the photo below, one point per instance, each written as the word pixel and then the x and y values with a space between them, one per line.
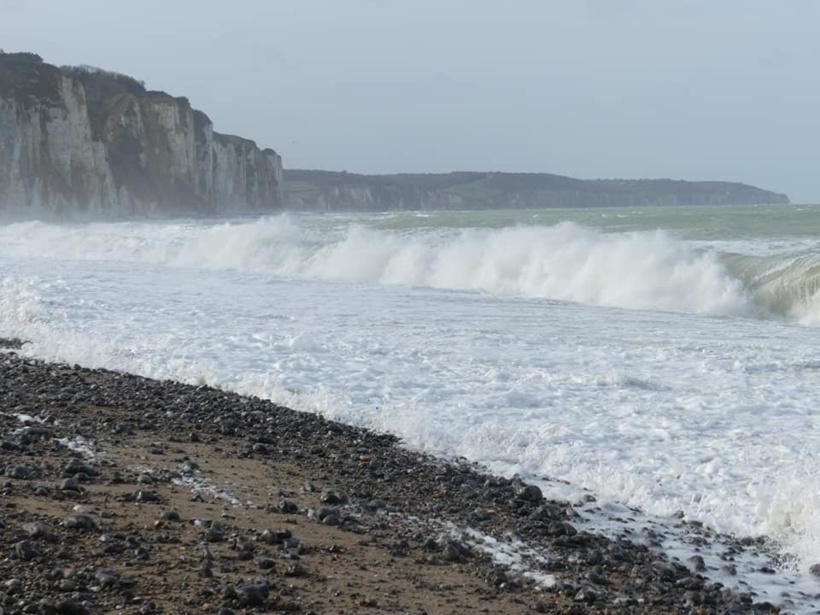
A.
pixel 79 141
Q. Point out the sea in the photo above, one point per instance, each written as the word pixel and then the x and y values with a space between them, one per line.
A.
pixel 654 365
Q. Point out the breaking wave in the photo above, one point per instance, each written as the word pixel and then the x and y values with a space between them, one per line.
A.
pixel 637 270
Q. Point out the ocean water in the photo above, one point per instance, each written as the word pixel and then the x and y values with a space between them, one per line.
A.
pixel 666 359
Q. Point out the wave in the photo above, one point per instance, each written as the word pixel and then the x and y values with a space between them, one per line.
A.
pixel 636 270
pixel 780 286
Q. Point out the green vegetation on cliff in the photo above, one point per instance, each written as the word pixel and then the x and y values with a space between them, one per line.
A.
pixel 332 191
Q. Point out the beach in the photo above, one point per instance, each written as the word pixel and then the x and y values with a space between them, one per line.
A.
pixel 146 496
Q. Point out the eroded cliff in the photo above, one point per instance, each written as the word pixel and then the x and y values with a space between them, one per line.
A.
pixel 77 140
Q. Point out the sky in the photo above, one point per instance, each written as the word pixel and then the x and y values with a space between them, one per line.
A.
pixel 687 89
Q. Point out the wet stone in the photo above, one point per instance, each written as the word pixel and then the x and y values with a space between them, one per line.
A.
pixel 107 578
pixel 454 550
pixel 26 550
pixel 67 585
pixel 586 595
pixel 696 563
pixel 28 435
pixel 215 533
pixel 496 577
pixel 253 594
pixel 332 497
pixel 287 507
pixel 36 529
pixel 79 522
pixel 375 505
pixel 295 570
pixel 69 484
pixel 124 429
pixel 70 606
pixel 22 472
pixel 144 496
pixel 77 466
pixel 664 570
pixel 12 586
pixel 529 493
pixel 275 537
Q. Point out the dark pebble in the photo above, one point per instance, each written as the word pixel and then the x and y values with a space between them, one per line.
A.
pixel 79 522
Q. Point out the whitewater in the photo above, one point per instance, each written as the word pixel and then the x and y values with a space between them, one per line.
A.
pixel 664 359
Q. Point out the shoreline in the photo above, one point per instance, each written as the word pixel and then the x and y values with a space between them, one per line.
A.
pixel 251 505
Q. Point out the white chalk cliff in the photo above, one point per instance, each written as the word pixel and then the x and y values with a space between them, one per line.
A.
pixel 77 141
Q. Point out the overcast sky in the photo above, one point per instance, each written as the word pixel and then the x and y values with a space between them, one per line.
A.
pixel 693 89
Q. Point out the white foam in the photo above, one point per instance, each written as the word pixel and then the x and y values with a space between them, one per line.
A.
pixel 24 418
pixel 81 445
pixel 197 484
pixel 565 261
pixel 510 553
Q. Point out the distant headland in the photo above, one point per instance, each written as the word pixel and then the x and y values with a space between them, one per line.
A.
pixel 340 191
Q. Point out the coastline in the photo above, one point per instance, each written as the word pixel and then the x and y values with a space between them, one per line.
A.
pixel 124 492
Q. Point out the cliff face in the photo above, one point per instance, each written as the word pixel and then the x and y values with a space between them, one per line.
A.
pixel 82 141
pixel 333 191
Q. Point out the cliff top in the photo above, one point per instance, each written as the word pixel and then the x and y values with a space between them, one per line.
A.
pixel 25 76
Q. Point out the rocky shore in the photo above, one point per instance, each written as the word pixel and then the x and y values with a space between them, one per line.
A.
pixel 124 494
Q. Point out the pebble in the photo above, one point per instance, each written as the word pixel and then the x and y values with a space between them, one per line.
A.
pixel 665 570
pixel 21 472
pixel 107 578
pixel 454 551
pixel 530 493
pixel 79 522
pixel 215 533
pixel 333 497
pixel 295 570
pixel 69 484
pixel 77 466
pixel 70 606
pixel 26 550
pixel 287 506
pixel 146 496
pixel 253 594
pixel 275 537
pixel 36 529
pixel 696 564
